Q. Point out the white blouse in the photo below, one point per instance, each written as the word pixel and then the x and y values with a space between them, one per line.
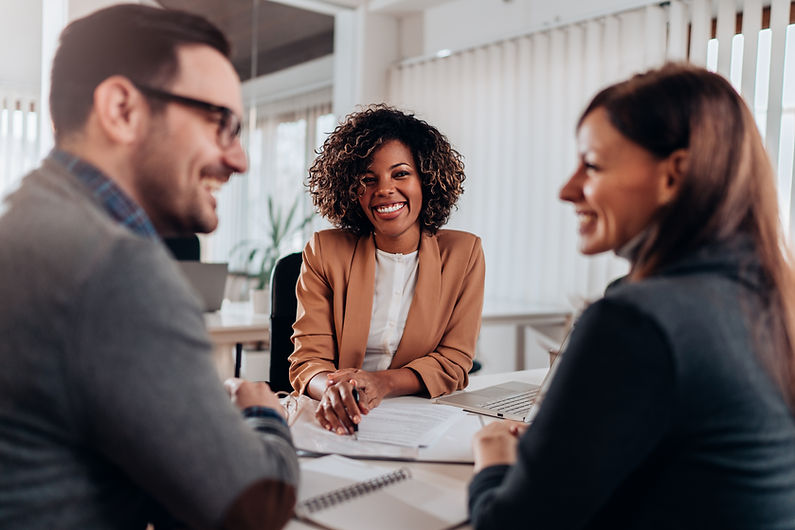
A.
pixel 395 280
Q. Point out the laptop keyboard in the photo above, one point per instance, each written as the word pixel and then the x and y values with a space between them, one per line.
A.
pixel 515 404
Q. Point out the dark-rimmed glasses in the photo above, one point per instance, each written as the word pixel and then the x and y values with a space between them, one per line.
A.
pixel 228 125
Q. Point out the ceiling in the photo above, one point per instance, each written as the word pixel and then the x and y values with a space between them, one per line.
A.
pixel 285 35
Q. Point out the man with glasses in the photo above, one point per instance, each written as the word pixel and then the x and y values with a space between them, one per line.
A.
pixel 111 412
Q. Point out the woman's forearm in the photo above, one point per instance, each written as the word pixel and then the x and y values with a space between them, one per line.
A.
pixel 400 382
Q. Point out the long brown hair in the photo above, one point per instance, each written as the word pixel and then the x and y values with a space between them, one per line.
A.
pixel 728 187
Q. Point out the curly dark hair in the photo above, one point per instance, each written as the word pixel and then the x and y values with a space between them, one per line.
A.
pixel 335 178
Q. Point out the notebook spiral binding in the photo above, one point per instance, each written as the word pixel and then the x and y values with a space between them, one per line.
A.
pixel 347 493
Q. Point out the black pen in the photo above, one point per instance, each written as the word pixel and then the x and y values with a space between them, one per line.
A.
pixel 355 425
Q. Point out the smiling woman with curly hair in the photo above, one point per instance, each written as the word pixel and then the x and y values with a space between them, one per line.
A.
pixel 335 179
pixel 389 304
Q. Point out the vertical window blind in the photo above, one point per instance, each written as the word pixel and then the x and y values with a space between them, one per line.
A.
pixel 511 108
pixel 280 138
pixel 19 146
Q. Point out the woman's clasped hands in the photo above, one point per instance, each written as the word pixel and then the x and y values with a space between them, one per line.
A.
pixel 349 394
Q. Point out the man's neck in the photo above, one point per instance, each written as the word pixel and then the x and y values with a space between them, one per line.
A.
pixel 104 157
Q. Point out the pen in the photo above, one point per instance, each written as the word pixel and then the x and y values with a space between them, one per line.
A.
pixel 355 425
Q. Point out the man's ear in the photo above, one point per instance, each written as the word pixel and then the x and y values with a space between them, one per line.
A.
pixel 120 109
pixel 674 169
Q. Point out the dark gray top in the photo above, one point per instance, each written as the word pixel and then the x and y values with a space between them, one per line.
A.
pixel 661 414
pixel 110 403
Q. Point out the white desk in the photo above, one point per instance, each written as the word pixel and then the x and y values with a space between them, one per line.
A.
pixel 461 473
pixel 540 317
pixel 234 325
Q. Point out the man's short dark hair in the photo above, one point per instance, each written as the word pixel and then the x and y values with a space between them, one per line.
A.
pixel 136 41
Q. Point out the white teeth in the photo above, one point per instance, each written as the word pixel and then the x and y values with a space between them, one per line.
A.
pixel 584 218
pixel 212 185
pixel 390 208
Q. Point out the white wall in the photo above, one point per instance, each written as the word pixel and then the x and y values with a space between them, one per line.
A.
pixel 366 44
pixel 20 44
pixel 451 25
pixel 289 82
pixel 465 23
pixel 21 38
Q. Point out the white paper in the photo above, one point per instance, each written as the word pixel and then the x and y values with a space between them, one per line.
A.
pixel 405 422
pixel 309 436
pixel 451 443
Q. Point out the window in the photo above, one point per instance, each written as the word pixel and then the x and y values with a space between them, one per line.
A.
pixel 18 139
pixel 280 148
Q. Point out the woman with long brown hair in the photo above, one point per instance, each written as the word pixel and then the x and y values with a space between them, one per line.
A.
pixel 672 404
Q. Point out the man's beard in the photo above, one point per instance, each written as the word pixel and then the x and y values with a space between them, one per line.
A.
pixel 173 210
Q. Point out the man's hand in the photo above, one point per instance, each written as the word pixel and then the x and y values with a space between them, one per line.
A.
pixel 252 394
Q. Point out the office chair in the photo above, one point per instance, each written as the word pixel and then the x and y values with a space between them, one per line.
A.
pixel 184 248
pixel 283 308
pixel 476 365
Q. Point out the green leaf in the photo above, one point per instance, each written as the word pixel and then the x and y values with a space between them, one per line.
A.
pixel 262 254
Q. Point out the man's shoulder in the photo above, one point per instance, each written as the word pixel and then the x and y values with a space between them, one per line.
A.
pixel 54 204
pixel 53 227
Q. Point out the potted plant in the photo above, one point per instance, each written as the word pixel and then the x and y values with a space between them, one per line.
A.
pixel 256 258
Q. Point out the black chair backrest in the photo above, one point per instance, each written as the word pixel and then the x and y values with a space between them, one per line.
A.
pixel 283 308
pixel 184 248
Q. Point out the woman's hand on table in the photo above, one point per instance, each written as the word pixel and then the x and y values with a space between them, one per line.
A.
pixel 373 387
pixel 496 443
pixel 338 410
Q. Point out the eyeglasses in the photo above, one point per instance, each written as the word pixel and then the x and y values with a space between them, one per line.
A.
pixel 228 125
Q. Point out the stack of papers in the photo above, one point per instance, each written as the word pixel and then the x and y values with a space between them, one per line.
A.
pixel 404 428
pixel 402 421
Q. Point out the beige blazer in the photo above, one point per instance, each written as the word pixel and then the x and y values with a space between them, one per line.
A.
pixel 335 301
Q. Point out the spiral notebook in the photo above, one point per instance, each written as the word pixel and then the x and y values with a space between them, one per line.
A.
pixel 342 493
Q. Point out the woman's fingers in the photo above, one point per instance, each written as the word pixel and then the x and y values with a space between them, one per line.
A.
pixel 338 410
pixel 341 375
pixel 496 444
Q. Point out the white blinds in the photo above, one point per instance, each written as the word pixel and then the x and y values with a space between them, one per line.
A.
pixel 510 108
pixel 761 64
pixel 19 135
pixel 280 148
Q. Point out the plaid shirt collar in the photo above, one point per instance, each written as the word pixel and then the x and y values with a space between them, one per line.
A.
pixel 118 205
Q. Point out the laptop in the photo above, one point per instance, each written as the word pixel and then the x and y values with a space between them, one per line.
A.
pixel 208 280
pixel 512 400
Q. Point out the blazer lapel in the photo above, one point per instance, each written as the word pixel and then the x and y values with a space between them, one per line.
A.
pixel 427 293
pixel 358 304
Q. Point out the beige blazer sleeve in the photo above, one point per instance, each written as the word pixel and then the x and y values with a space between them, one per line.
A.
pixel 314 340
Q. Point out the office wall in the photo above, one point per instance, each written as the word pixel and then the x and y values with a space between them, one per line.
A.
pixel 21 38
pixel 20 44
pixel 466 23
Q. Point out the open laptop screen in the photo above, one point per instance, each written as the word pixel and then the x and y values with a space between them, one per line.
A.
pixel 208 280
